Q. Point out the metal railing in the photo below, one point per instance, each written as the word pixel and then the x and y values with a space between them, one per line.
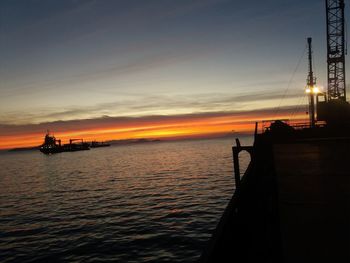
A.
pixel 265 125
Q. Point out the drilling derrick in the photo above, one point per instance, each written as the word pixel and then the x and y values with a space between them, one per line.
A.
pixel 334 109
pixel 336 50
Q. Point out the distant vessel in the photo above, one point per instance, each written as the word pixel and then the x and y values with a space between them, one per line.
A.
pixel 52 145
pixel 96 144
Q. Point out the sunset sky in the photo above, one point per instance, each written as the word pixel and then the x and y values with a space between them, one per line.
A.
pixel 120 69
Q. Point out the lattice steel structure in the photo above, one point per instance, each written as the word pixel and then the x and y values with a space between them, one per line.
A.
pixel 336 50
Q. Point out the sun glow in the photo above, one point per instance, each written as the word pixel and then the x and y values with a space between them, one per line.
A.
pixel 157 127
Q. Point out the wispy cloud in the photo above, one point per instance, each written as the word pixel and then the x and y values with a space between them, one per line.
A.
pixel 148 105
pixel 153 126
pixel 107 121
pixel 140 64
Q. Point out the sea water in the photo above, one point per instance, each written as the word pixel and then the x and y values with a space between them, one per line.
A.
pixel 150 202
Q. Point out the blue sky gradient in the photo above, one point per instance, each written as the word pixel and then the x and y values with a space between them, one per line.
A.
pixel 73 59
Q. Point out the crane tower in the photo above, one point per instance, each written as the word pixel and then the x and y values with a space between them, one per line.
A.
pixel 335 109
pixel 336 49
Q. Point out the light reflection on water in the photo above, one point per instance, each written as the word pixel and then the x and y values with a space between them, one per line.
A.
pixel 149 202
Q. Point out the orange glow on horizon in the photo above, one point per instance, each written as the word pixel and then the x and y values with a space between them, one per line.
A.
pixel 204 126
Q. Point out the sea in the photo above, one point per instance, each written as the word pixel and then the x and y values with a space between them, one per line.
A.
pixel 149 202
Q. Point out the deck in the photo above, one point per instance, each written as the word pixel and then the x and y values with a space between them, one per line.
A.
pixel 293 205
pixel 313 181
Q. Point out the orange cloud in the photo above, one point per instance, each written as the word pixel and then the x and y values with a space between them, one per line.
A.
pixel 153 127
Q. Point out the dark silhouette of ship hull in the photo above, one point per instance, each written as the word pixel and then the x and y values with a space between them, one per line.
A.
pixel 52 145
pixel 65 148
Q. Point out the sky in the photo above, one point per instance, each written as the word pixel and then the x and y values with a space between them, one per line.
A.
pixel 121 69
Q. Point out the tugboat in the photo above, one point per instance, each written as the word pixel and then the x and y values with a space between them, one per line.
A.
pixel 52 145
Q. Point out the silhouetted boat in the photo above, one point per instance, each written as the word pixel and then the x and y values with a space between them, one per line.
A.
pixel 52 145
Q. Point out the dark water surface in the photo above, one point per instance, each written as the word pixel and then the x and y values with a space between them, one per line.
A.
pixel 154 202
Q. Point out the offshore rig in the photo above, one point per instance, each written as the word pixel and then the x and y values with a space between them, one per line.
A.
pixel 293 202
pixel 333 109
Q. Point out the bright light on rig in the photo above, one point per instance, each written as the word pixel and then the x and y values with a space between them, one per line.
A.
pixel 315 90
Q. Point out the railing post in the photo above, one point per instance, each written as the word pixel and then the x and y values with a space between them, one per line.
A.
pixel 237 172
pixel 236 168
pixel 235 153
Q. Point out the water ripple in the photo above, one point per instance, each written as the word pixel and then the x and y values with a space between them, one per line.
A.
pixel 156 202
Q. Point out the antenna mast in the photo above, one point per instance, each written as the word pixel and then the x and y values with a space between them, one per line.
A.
pixel 311 89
